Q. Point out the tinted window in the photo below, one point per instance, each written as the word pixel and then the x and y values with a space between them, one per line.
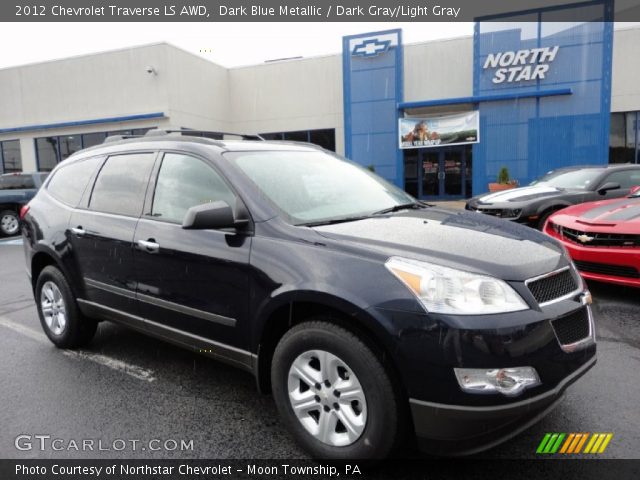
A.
pixel 626 178
pixel 121 184
pixel 69 182
pixel 16 182
pixel 91 139
pixel 184 182
pixel 10 156
pixel 47 153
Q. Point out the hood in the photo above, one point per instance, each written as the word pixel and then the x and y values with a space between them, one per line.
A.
pixel 621 215
pixel 522 194
pixel 459 239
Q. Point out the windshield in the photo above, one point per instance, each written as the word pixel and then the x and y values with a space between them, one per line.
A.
pixel 313 187
pixel 572 179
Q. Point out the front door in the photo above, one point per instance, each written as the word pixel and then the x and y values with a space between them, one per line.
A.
pixel 191 282
pixel 442 173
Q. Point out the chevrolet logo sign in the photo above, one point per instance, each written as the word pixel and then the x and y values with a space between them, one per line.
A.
pixel 584 238
pixel 371 47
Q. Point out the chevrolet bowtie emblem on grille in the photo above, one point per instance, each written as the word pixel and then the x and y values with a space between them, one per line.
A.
pixel 370 47
pixel 584 238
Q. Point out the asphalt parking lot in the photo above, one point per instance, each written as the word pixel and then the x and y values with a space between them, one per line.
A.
pixel 129 387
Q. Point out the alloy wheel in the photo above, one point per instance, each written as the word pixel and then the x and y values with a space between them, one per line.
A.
pixel 327 398
pixel 53 308
pixel 9 224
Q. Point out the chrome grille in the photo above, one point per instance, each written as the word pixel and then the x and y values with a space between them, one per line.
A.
pixel 552 286
pixel 590 239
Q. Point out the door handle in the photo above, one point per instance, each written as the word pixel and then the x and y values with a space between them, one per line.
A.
pixel 149 246
pixel 79 231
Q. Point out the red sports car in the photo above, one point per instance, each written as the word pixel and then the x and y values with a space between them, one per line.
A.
pixel 603 238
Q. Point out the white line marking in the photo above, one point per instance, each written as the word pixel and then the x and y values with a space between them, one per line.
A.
pixel 112 363
pixel 11 242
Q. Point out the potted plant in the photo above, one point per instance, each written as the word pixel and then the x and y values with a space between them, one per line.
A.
pixel 504 181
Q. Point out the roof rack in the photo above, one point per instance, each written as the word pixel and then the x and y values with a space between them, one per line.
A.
pixel 156 132
pixel 117 138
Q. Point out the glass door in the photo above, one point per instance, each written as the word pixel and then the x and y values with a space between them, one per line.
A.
pixel 431 170
pixel 441 173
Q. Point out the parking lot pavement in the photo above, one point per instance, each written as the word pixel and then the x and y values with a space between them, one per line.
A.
pixel 130 387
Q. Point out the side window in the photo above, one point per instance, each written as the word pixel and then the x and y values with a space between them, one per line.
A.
pixel 122 183
pixel 626 178
pixel 17 182
pixel 184 182
pixel 69 182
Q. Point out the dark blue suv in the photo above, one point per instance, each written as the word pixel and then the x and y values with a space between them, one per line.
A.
pixel 370 316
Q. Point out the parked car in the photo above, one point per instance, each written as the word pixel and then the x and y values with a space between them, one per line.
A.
pixel 16 189
pixel 603 238
pixel 368 315
pixel 558 189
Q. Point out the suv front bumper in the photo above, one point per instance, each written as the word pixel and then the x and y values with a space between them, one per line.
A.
pixel 443 429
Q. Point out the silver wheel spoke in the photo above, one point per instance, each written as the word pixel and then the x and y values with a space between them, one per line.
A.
pixel 327 426
pixel 351 423
pixel 302 403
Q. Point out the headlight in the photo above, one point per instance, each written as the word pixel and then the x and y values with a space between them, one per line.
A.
pixel 447 290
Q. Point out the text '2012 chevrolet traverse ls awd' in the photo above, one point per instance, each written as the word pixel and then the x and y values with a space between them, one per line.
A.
pixel 370 316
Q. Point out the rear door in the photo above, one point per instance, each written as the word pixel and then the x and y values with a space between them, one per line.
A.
pixel 101 234
pixel 193 281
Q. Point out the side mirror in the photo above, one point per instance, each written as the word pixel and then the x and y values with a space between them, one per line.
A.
pixel 608 186
pixel 634 190
pixel 214 215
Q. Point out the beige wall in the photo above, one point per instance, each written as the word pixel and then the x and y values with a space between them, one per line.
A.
pixel 288 95
pixel 625 84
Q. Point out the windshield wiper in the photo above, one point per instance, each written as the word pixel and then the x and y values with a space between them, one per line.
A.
pixel 402 206
pixel 332 221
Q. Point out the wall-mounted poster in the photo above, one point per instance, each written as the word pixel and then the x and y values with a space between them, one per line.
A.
pixel 440 131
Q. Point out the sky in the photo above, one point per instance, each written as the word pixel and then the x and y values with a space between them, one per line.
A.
pixel 227 44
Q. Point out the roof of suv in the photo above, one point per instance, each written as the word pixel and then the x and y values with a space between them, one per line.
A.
pixel 255 143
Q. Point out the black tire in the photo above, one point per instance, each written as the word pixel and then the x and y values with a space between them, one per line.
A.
pixel 384 425
pixel 9 223
pixel 78 330
pixel 543 218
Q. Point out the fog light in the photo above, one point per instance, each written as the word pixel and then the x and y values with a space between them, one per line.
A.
pixel 507 381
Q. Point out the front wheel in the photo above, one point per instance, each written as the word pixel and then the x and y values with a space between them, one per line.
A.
pixel 9 223
pixel 334 394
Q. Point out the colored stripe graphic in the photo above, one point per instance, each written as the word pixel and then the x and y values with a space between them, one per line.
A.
pixel 572 443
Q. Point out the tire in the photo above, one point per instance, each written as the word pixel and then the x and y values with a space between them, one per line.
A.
pixel 543 218
pixel 59 314
pixel 375 418
pixel 9 223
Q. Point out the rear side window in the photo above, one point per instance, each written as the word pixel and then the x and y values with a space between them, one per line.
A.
pixel 69 182
pixel 184 182
pixel 17 182
pixel 122 183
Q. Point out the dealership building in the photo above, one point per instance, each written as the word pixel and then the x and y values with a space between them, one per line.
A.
pixel 437 118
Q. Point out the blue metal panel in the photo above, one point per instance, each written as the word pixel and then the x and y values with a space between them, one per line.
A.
pixel 47 126
pixel 372 87
pixel 534 132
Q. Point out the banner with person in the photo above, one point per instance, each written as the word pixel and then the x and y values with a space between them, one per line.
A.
pixel 439 131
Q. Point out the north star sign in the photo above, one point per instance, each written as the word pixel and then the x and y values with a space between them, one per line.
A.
pixel 521 65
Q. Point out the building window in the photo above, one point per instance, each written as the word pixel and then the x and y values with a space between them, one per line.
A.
pixel 52 150
pixel 325 138
pixel 624 140
pixel 10 156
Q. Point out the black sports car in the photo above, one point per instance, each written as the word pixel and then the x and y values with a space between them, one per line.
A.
pixel 558 189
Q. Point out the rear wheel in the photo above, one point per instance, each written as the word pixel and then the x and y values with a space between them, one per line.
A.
pixel 59 314
pixel 334 394
pixel 9 223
